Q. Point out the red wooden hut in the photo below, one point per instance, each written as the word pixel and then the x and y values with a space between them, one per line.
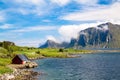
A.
pixel 20 59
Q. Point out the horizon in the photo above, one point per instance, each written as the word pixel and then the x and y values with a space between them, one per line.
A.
pixel 31 23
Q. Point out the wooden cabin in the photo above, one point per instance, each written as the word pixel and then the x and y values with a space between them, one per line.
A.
pixel 20 59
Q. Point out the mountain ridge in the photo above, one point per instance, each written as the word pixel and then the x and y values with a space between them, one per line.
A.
pixel 106 35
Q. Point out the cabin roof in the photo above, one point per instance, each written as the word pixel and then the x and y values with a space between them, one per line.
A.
pixel 23 57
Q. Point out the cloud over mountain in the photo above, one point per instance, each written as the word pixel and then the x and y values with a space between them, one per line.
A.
pixel 71 31
pixel 104 35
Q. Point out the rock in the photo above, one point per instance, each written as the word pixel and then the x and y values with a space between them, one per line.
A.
pixel 31 65
pixel 25 74
pixel 21 73
pixel 35 64
pixel 7 77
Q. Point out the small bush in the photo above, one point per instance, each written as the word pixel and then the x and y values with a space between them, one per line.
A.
pixel 37 52
pixel 61 50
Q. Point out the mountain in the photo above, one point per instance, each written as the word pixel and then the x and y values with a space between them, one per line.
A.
pixel 114 29
pixel 53 44
pixel 105 35
pixel 49 44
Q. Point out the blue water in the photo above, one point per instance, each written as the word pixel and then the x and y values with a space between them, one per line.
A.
pixel 100 66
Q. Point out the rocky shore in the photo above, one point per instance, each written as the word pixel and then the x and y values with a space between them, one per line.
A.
pixel 20 72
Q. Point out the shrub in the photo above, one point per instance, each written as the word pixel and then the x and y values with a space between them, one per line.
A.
pixel 61 50
pixel 37 52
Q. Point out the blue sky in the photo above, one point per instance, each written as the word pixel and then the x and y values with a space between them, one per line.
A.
pixel 32 22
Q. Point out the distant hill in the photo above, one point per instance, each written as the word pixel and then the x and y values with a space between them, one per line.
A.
pixel 6 44
pixel 53 44
pixel 9 46
pixel 6 48
pixel 105 35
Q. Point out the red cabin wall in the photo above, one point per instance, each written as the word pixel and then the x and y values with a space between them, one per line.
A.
pixel 17 60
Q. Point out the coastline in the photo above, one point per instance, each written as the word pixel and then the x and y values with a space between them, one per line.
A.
pixel 20 73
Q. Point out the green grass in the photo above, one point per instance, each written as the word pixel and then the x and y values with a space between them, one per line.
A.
pixel 50 52
pixel 3 52
pixel 6 57
pixel 5 61
pixel 3 65
pixel 47 52
pixel 58 55
pixel 4 69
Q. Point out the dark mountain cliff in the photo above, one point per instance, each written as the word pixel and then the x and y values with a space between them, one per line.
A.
pixel 105 35
pixel 98 36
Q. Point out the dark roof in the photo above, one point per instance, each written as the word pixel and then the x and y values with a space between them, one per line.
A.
pixel 23 57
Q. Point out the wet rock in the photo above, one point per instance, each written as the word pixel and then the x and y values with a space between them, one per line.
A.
pixel 31 65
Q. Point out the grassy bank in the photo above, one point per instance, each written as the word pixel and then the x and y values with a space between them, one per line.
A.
pixel 7 55
pixel 50 52
pixel 3 65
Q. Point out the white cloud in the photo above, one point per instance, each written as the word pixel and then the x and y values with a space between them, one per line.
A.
pixel 61 2
pixel 25 7
pixel 104 14
pixel 30 2
pixel 71 31
pixel 87 2
pixel 35 28
pixel 2 16
pixel 28 42
pixel 22 11
pixel 65 2
pixel 50 37
pixel 34 42
pixel 115 21
pixel 46 20
pixel 8 36
pixel 6 26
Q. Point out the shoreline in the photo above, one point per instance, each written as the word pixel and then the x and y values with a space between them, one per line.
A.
pixel 75 54
pixel 20 73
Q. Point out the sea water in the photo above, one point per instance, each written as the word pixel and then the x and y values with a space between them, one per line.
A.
pixel 99 66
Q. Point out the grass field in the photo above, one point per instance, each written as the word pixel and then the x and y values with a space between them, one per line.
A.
pixel 3 65
pixel 50 52
pixel 6 56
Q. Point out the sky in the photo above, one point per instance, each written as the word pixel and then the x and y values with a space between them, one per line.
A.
pixel 32 22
